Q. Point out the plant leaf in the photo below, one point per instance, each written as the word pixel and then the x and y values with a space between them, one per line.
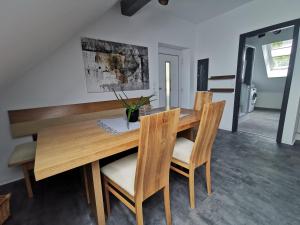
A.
pixel 115 94
pixel 139 102
pixel 129 114
pixel 126 105
pixel 125 94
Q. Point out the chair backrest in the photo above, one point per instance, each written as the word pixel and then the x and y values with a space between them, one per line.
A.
pixel 207 131
pixel 202 98
pixel 156 144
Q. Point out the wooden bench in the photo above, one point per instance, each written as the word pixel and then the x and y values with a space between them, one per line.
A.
pixel 28 122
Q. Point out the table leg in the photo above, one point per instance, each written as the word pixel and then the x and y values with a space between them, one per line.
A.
pixel 86 184
pixel 97 189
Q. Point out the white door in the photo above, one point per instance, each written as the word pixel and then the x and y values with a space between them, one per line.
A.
pixel 168 80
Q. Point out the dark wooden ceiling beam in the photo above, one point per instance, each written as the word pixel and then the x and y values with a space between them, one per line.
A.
pixel 130 7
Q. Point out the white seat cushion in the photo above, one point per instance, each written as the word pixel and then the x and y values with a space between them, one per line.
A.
pixel 122 172
pixel 183 150
pixel 23 153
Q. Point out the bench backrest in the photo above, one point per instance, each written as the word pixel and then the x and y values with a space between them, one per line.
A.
pixel 27 122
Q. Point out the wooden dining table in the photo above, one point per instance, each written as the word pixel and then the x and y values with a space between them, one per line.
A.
pixel 65 147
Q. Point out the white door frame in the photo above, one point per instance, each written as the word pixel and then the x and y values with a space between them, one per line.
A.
pixel 175 52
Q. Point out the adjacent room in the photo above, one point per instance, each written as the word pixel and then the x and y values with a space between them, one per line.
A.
pixel 266 64
pixel 149 112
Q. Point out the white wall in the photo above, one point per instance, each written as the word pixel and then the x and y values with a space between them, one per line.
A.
pixel 269 90
pixel 290 126
pixel 60 78
pixel 269 100
pixel 218 39
pixel 297 133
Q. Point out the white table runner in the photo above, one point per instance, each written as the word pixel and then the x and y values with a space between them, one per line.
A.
pixel 183 115
pixel 120 125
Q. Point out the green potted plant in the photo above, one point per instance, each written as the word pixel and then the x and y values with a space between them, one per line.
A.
pixel 132 109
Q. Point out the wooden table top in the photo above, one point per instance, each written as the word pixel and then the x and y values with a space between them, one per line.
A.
pixel 66 147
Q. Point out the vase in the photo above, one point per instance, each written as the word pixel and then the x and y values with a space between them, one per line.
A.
pixel 134 115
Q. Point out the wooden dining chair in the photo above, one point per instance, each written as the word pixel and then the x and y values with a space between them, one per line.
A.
pixel 202 98
pixel 136 177
pixel 189 155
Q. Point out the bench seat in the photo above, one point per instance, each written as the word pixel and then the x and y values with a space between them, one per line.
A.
pixel 22 154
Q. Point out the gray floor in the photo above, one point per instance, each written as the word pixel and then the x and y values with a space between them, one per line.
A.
pixel 255 182
pixel 261 122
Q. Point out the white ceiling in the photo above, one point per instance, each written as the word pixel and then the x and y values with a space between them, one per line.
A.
pixel 197 11
pixel 31 29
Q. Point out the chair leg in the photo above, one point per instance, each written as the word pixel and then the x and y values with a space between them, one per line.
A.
pixel 167 204
pixel 192 187
pixel 107 200
pixel 27 181
pixel 139 213
pixel 208 177
pixel 86 185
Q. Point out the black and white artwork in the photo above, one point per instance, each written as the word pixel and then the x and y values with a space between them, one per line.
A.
pixel 110 65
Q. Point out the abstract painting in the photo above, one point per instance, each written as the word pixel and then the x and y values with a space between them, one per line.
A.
pixel 110 65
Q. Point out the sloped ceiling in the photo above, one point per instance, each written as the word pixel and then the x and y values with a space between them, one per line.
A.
pixel 31 29
pixel 260 76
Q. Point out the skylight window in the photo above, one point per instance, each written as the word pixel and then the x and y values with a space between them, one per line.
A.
pixel 277 58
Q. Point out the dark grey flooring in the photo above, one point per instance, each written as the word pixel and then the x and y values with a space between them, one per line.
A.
pixel 255 182
pixel 260 122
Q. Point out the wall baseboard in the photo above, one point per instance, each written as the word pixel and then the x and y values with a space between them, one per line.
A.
pixel 267 109
pixel 297 136
pixel 10 181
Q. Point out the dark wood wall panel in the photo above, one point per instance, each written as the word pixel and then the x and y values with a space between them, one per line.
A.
pixel 34 114
pixel 223 77
pixel 222 90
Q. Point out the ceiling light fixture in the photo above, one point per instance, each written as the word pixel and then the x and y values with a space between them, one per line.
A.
pixel 163 2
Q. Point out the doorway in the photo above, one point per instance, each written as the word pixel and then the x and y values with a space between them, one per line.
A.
pixel 264 74
pixel 169 85
pixel 202 74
